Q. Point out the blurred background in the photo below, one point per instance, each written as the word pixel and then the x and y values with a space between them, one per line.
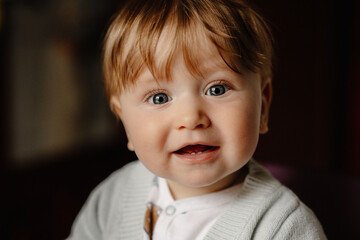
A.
pixel 59 139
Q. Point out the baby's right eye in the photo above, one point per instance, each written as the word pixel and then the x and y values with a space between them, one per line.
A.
pixel 159 98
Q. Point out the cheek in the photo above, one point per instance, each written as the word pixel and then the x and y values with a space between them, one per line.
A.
pixel 147 134
pixel 149 141
pixel 241 128
pixel 244 130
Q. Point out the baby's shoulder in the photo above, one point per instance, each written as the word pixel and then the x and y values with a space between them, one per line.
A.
pixel 279 211
pixel 266 209
pixel 289 218
pixel 100 215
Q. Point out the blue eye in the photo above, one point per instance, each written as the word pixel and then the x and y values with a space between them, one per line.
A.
pixel 159 98
pixel 217 90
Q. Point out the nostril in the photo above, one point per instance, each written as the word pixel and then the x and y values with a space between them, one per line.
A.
pixel 191 116
pixel 195 124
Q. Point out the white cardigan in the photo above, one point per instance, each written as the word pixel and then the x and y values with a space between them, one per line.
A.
pixel 263 209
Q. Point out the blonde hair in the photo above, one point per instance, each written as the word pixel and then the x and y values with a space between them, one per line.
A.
pixel 241 36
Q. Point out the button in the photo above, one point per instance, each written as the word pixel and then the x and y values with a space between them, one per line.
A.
pixel 158 212
pixel 170 210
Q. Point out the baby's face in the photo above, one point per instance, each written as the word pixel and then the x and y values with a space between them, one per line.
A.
pixel 196 132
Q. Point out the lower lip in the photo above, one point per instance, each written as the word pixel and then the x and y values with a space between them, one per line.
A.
pixel 203 157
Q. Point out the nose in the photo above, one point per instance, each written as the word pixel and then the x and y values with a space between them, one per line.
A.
pixel 191 114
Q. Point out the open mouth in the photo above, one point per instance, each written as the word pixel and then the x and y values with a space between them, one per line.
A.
pixel 196 149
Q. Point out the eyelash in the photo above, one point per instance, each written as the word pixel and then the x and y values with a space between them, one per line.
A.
pixel 152 93
pixel 219 82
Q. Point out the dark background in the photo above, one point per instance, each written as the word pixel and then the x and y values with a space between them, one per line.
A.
pixel 312 146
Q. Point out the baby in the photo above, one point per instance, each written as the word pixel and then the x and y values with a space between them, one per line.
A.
pixel 191 82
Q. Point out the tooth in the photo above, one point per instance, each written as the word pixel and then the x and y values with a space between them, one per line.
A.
pixel 193 153
pixel 199 153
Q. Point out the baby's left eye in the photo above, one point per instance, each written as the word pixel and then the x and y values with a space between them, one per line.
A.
pixel 217 90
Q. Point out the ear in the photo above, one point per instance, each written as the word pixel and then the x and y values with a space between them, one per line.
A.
pixel 266 96
pixel 116 108
pixel 130 145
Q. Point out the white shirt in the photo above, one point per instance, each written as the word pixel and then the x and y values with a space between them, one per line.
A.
pixel 188 218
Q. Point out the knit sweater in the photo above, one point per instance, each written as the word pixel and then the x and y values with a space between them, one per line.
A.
pixel 263 209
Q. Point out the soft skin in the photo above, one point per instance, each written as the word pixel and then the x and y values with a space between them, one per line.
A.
pixel 192 112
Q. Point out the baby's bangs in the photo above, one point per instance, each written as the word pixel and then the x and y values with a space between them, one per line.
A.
pixel 182 29
pixel 149 48
pixel 240 36
pixel 186 30
pixel 183 32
